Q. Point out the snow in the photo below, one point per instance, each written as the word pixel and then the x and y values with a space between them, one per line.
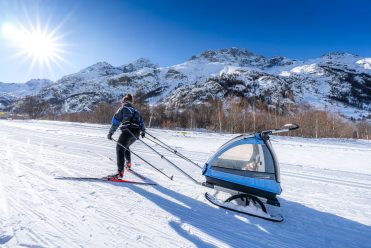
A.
pixel 31 87
pixel 308 69
pixel 325 201
pixel 285 74
pixel 317 82
pixel 366 63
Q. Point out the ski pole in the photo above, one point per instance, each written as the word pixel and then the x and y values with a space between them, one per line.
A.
pixel 127 149
pixel 174 152
pixel 163 157
pixel 170 149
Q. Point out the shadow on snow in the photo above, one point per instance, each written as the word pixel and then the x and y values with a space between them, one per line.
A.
pixel 303 226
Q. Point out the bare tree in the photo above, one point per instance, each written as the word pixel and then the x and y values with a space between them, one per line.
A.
pixel 34 106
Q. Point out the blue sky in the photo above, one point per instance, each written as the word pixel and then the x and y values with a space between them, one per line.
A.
pixel 170 32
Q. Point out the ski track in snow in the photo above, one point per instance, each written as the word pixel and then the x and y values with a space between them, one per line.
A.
pixel 323 205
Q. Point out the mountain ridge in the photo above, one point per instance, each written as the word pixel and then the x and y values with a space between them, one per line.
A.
pixel 338 81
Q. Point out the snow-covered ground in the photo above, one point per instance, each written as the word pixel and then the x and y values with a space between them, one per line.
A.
pixel 326 199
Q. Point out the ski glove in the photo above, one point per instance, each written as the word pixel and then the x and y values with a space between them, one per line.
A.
pixel 143 134
pixel 109 136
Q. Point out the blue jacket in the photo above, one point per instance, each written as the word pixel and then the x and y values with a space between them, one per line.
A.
pixel 128 117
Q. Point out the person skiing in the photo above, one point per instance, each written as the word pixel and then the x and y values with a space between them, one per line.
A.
pixel 132 125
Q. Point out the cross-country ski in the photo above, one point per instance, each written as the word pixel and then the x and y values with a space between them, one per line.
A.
pixel 107 179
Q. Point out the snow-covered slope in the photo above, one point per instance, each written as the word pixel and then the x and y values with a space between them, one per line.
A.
pixel 336 81
pixel 101 82
pixel 6 100
pixel 325 201
pixel 31 87
pixel 137 65
pixel 339 82
pixel 11 92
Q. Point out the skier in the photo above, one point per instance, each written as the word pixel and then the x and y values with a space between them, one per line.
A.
pixel 132 126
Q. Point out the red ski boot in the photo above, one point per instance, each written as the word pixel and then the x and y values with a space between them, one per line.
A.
pixel 118 175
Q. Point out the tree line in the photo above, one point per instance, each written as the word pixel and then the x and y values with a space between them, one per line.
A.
pixel 233 115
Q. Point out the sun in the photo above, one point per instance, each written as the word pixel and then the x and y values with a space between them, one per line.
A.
pixel 41 46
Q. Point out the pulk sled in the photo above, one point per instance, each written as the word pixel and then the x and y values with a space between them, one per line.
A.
pixel 245 167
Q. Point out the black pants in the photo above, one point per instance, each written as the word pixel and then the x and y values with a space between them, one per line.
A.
pixel 126 139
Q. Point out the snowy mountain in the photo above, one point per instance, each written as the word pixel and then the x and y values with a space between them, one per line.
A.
pixel 340 82
pixel 85 89
pixel 11 92
pixel 31 87
pixel 137 65
pixel 6 100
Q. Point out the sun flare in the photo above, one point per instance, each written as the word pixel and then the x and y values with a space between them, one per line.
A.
pixel 39 46
pixel 34 43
